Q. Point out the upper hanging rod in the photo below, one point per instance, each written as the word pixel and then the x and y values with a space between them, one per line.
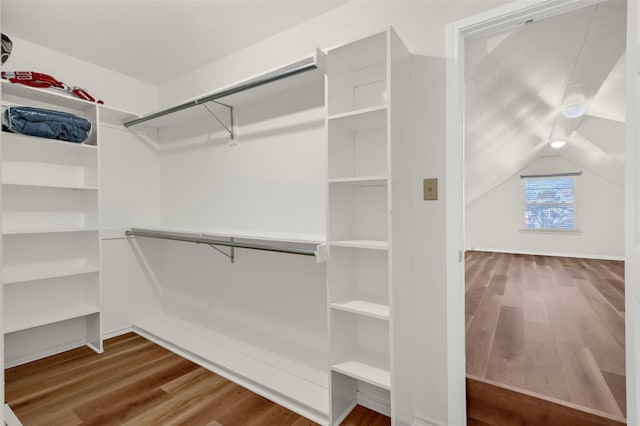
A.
pixel 226 92
pixel 212 241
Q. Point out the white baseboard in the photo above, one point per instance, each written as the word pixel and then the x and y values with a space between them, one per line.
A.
pixel 544 253
pixel 375 403
pixel 10 419
pixel 36 355
pixel 117 332
pixel 423 421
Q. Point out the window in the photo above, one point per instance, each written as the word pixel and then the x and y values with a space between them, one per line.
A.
pixel 550 203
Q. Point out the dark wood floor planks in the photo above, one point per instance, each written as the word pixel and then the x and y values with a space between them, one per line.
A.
pixel 136 382
pixel 548 325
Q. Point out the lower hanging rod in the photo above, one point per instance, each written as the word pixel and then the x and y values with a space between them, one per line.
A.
pixel 212 241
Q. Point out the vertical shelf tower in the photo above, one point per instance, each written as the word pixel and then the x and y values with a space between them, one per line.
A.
pixel 368 273
pixel 50 235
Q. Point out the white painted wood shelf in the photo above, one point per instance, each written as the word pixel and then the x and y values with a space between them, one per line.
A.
pixel 361 180
pixel 361 119
pixel 362 306
pixel 51 271
pixel 16 274
pixel 45 317
pixel 27 231
pixel 51 186
pixel 297 386
pixel 366 365
pixel 363 244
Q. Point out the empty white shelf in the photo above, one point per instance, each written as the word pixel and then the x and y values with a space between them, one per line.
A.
pixel 31 273
pixel 363 307
pixel 37 319
pixel 362 119
pixel 367 366
pixel 47 230
pixel 45 185
pixel 361 180
pixel 365 244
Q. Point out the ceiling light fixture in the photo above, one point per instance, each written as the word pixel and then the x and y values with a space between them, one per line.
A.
pixel 557 144
pixel 574 110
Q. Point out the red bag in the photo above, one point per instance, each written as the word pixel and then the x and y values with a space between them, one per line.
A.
pixel 45 81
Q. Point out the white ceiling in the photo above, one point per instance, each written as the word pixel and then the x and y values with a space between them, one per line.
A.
pixel 518 81
pixel 154 40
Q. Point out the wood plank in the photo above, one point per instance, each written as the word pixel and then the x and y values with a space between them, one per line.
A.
pixel 560 305
pixel 139 383
pixel 493 404
pixel 585 383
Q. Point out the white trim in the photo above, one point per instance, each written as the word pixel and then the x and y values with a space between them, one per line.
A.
pixel 458 32
pixel 375 403
pixel 545 253
pixel 10 419
pixel 423 421
pixel 117 332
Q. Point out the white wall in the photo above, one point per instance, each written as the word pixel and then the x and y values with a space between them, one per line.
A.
pixel 494 221
pixel 421 26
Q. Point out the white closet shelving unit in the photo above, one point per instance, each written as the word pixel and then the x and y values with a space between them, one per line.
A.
pixel 366 100
pixel 50 233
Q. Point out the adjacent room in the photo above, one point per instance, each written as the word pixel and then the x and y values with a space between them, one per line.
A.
pixel 545 129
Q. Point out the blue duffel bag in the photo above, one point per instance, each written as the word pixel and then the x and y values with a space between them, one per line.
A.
pixel 46 124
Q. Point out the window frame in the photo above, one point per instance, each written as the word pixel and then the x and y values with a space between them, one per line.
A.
pixel 576 203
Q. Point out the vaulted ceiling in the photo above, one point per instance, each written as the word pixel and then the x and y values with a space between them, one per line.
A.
pixel 519 82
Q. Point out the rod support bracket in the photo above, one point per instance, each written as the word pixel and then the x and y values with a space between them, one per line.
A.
pixel 230 128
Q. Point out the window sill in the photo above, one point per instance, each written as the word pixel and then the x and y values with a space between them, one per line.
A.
pixel 551 231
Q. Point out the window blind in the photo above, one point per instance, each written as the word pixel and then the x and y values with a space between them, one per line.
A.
pixel 550 203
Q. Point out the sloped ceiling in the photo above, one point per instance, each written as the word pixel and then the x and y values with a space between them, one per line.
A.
pixel 518 83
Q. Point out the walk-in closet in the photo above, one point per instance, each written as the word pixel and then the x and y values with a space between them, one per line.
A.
pixel 242 213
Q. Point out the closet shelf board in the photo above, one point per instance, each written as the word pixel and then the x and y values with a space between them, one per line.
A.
pixel 366 365
pixel 47 230
pixel 12 275
pixel 380 180
pixel 45 145
pixel 37 319
pixel 44 185
pixel 312 239
pixel 364 244
pixel 274 81
pixel 363 307
pixel 46 96
pixel 361 119
pixel 250 366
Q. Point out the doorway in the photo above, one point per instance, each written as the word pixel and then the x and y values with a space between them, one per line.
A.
pixel 529 155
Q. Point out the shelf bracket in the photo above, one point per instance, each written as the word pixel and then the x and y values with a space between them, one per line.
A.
pixel 232 252
pixel 229 129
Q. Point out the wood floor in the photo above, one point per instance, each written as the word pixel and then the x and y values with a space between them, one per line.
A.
pixel 136 382
pixel 549 325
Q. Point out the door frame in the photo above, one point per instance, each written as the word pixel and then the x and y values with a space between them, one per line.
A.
pixel 480 25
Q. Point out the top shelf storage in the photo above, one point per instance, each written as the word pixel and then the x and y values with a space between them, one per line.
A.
pixel 288 77
pixel 358 75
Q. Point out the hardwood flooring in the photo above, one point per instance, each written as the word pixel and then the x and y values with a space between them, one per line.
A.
pixel 549 325
pixel 136 382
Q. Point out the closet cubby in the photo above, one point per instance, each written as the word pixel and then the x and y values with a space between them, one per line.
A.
pixel 51 271
pixel 358 75
pixel 32 161
pixel 358 211
pixel 358 144
pixel 361 348
pixel 359 280
pixel 367 106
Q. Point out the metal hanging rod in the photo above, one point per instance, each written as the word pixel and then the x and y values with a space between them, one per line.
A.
pixel 213 242
pixel 226 92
